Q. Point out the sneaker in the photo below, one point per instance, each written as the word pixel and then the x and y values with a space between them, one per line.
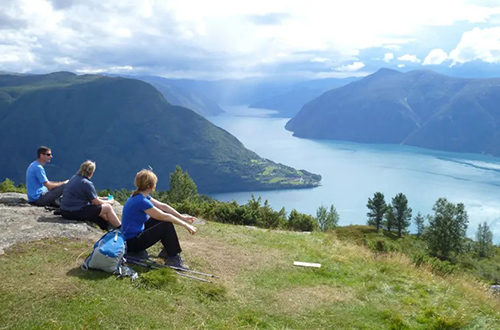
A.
pixel 137 255
pixel 176 261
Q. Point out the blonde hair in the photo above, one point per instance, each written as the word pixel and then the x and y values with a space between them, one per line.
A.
pixel 87 168
pixel 145 179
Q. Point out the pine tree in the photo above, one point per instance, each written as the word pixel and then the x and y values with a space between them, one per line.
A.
pixel 484 240
pixel 402 213
pixel 389 218
pixel 419 222
pixel 447 228
pixel 377 208
pixel 333 217
pixel 182 187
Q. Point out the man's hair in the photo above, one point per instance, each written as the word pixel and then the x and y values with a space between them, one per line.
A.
pixel 87 168
pixel 145 179
pixel 42 150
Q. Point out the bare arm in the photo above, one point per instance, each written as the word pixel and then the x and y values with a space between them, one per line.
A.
pixel 54 184
pixel 158 214
pixel 169 209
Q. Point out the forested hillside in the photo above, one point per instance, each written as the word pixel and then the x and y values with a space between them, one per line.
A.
pixel 124 125
pixel 418 108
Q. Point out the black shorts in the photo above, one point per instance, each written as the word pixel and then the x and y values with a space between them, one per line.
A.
pixel 86 213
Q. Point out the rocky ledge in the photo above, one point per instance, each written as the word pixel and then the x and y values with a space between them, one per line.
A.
pixel 22 222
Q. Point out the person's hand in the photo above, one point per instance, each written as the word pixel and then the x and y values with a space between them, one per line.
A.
pixel 111 201
pixel 66 181
pixel 191 229
pixel 189 218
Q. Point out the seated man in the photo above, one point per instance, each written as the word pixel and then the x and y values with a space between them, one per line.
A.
pixel 41 191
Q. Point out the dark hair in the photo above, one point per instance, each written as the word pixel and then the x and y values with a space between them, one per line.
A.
pixel 42 150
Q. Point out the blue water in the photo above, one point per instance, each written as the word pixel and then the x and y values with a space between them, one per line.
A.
pixel 353 172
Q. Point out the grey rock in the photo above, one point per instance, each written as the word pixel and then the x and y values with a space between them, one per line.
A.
pixel 22 222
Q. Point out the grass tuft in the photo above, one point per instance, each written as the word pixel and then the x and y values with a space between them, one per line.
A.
pixel 160 279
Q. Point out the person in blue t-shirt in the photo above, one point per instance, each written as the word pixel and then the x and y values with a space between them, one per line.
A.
pixel 41 191
pixel 80 200
pixel 145 221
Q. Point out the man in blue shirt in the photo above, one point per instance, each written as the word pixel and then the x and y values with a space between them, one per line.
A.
pixel 41 191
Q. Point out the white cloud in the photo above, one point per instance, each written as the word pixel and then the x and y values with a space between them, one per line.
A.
pixel 401 66
pixel 226 38
pixel 478 44
pixel 114 69
pixel 388 57
pixel 351 67
pixel 409 58
pixel 435 57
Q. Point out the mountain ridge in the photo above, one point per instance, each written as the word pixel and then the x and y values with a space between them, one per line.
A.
pixel 125 125
pixel 419 108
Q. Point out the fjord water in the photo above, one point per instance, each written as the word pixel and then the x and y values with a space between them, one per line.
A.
pixel 353 172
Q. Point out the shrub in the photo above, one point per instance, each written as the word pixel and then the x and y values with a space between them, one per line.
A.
pixel 8 186
pixel 301 222
pixel 382 244
pixel 436 266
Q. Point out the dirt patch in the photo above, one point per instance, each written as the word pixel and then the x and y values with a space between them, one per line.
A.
pixel 233 264
pixel 228 261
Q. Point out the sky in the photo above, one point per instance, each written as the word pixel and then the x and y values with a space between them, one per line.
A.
pixel 221 39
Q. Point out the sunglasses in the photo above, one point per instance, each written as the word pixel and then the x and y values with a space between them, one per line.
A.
pixel 48 154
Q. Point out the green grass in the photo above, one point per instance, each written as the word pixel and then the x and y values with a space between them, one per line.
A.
pixel 258 288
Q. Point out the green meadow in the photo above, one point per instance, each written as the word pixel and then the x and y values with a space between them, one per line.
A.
pixel 257 287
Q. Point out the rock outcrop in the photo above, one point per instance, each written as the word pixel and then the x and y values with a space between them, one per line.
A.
pixel 22 222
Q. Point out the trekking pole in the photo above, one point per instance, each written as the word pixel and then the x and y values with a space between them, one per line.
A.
pixel 190 271
pixel 193 277
pixel 152 264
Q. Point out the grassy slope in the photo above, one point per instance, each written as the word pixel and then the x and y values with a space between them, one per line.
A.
pixel 43 287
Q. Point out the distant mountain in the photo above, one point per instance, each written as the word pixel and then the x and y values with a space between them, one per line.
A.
pixel 231 91
pixel 289 103
pixel 194 100
pixel 124 125
pixel 208 98
pixel 419 108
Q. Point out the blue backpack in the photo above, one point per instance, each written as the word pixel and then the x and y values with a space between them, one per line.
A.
pixel 107 255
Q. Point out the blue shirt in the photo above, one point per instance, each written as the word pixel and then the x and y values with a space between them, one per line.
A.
pixel 78 192
pixel 35 178
pixel 134 215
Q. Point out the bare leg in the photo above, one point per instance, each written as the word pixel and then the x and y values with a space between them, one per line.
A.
pixel 108 214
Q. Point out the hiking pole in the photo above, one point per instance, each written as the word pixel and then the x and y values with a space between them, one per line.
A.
pixel 151 264
pixel 154 265
pixel 149 261
pixel 193 277
pixel 190 271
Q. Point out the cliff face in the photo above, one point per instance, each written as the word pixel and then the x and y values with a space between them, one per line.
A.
pixel 419 108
